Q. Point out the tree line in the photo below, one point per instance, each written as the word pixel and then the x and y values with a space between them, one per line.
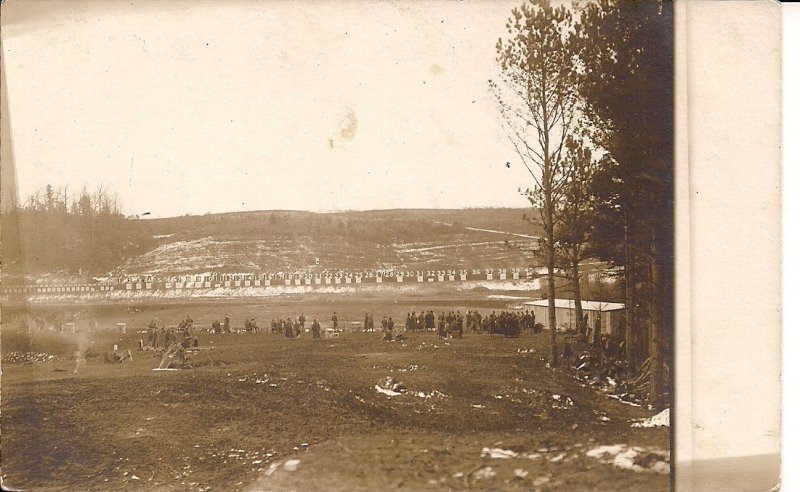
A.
pixel 85 233
pixel 585 94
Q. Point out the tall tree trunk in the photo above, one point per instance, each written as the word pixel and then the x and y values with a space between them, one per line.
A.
pixel 551 271
pixel 630 285
pixel 551 305
pixel 657 324
pixel 549 205
pixel 576 286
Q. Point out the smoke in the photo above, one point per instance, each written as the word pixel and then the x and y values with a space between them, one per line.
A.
pixel 49 339
pixel 81 341
pixel 79 360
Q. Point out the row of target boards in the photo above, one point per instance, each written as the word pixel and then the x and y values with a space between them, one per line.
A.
pixel 295 280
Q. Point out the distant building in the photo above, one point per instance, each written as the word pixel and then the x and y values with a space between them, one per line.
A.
pixel 612 314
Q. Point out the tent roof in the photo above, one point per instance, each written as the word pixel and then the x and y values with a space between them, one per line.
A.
pixel 586 305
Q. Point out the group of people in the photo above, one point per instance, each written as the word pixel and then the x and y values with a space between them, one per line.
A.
pixel 453 324
pixel 157 332
pixel 423 321
pixel 510 323
pixel 294 328
pixel 250 326
pixel 291 328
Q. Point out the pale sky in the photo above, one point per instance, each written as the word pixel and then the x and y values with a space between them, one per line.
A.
pixel 195 107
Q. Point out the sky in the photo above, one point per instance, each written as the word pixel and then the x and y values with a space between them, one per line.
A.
pixel 195 107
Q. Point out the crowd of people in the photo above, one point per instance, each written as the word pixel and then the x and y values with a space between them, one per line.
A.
pixel 452 324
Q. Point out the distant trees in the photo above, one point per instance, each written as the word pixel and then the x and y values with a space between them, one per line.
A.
pixel 86 233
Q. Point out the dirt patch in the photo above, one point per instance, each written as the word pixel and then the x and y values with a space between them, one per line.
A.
pixel 225 426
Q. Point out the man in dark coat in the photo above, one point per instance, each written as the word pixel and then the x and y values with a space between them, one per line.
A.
pixel 315 329
pixel 430 321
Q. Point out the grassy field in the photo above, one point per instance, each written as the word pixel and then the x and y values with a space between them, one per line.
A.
pixel 255 403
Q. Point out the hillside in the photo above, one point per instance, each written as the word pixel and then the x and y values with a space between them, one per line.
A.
pixel 272 241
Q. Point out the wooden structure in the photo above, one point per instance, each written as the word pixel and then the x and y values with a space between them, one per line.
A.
pixel 611 314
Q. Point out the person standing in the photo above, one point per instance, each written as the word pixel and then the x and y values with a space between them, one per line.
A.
pixel 302 320
pixel 226 325
pixel 371 323
pixel 288 332
pixel 366 322
pixel 315 329
pixel 335 320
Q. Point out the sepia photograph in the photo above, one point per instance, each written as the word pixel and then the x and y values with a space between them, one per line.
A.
pixel 337 246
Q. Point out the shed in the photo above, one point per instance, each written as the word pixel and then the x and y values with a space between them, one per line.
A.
pixel 612 314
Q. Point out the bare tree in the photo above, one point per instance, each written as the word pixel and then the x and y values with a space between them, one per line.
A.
pixel 537 98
